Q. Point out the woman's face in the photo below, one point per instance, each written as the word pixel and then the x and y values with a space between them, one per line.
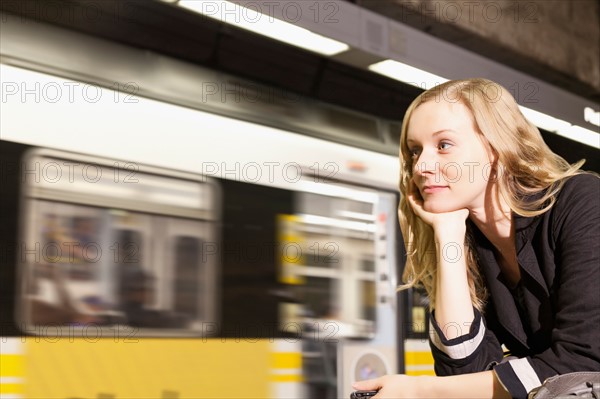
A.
pixel 451 161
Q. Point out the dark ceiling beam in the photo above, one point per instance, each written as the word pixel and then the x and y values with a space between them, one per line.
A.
pixel 406 13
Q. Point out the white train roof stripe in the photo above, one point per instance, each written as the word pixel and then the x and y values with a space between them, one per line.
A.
pixel 10 346
pixel 187 139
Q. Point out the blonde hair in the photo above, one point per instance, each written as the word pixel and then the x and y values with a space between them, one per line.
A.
pixel 525 166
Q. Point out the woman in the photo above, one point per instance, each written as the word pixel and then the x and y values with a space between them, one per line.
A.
pixel 503 234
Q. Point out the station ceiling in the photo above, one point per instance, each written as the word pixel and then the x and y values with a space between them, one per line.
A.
pixel 164 28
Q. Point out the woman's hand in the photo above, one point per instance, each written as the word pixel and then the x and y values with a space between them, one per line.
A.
pixel 395 386
pixel 480 385
pixel 442 223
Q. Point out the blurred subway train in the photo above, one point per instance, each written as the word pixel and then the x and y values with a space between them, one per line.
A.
pixel 165 237
pixel 171 231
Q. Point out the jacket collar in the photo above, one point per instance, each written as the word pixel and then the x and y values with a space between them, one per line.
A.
pixel 525 228
pixel 500 294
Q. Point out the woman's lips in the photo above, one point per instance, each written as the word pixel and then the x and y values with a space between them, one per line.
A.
pixel 433 189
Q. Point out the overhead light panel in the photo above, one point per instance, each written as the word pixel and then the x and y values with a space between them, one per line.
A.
pixel 252 20
pixel 582 135
pixel 407 74
pixel 562 128
pixel 543 121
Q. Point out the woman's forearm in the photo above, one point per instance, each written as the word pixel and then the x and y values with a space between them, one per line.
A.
pixel 482 385
pixel 477 385
pixel 453 307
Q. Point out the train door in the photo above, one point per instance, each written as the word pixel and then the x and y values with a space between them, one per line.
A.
pixel 338 258
pixel 375 357
pixel 191 258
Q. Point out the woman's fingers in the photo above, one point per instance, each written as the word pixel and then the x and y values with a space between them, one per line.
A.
pixel 434 219
pixel 393 386
pixel 414 202
pixel 368 385
pixel 417 207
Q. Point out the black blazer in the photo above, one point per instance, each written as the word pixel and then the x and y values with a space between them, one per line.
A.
pixel 549 324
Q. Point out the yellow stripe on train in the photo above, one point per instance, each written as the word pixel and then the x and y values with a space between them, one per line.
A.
pixel 11 366
pixel 148 368
pixel 287 378
pixel 11 389
pixel 286 360
pixel 286 370
pixel 418 358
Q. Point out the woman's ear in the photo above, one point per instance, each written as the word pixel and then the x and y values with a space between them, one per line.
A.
pixel 494 160
pixel 492 154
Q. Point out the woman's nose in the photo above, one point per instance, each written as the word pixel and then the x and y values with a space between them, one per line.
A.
pixel 426 163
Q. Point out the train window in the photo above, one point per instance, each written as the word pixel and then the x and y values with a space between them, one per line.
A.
pixel 367 265
pixel 329 256
pixel 319 297
pixel 128 245
pixel 188 276
pixel 62 283
pixel 322 251
pixel 98 262
pixel 367 299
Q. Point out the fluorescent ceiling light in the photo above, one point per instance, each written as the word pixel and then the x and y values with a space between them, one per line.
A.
pixel 562 128
pixel 544 121
pixel 582 135
pixel 591 116
pixel 267 25
pixel 407 74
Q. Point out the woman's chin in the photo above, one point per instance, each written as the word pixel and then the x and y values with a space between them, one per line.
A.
pixel 436 207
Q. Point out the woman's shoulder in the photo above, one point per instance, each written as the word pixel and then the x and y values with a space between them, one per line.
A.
pixel 579 198
pixel 581 186
pixel 583 177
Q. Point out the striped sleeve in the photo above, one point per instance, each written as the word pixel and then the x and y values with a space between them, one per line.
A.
pixel 474 349
pixel 465 344
pixel 518 377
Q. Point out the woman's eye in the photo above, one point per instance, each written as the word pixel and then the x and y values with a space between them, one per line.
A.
pixel 414 152
pixel 444 145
